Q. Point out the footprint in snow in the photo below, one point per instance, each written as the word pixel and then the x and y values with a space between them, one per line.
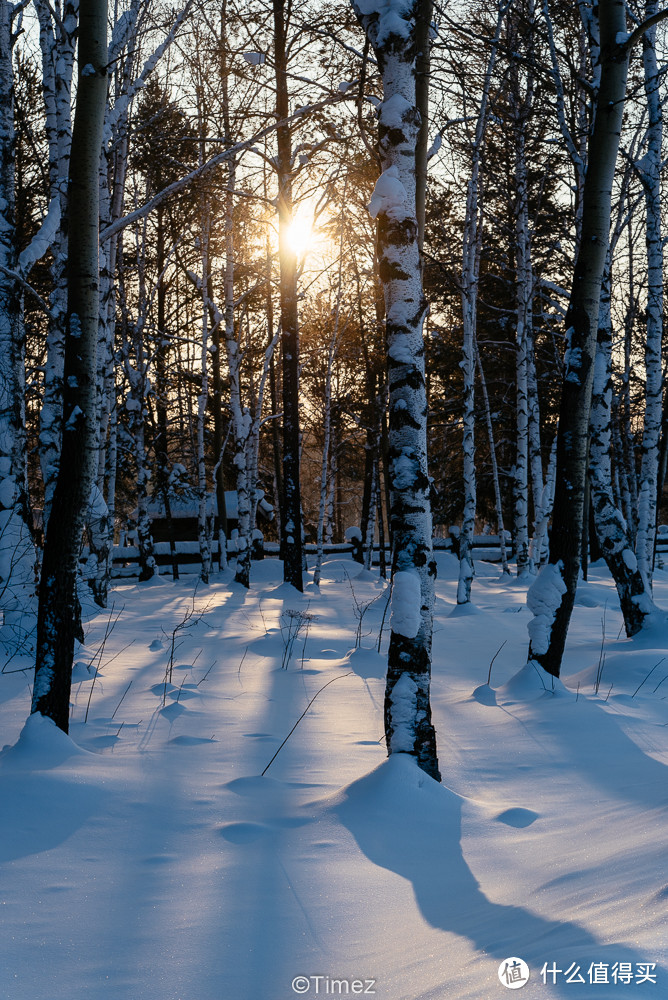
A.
pixel 174 710
pixel 191 741
pixel 485 695
pixel 245 833
pixel 184 692
pixel 517 817
pixel 163 687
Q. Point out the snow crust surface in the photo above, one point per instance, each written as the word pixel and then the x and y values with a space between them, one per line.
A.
pixel 143 857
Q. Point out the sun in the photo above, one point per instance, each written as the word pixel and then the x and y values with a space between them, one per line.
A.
pixel 300 235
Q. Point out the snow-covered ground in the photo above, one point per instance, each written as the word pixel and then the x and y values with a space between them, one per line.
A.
pixel 146 857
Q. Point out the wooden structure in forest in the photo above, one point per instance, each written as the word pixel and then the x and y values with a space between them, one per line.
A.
pixel 184 511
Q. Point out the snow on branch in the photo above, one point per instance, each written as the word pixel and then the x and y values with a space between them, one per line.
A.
pixel 120 108
pixel 15 276
pixel 120 33
pixel 42 239
pixel 391 16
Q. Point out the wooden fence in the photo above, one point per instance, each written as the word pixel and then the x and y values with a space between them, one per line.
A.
pixel 126 557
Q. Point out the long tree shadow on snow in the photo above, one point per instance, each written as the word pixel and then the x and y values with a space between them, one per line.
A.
pixel 580 735
pixel 405 822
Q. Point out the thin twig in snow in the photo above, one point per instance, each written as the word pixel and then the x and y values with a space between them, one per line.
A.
pixel 340 677
pixel 121 701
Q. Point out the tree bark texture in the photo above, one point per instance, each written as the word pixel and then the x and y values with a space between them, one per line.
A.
pixel 17 552
pixel 57 42
pixel 291 525
pixel 611 529
pixel 552 595
pixel 57 615
pixel 469 295
pixel 408 726
pixel 648 492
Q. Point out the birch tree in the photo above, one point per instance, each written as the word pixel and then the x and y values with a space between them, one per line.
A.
pixel 650 171
pixel 552 595
pixel 408 727
pixel 57 616
pixel 291 527
pixel 17 554
pixel 521 99
pixel 469 293
pixel 57 35
pixel 611 528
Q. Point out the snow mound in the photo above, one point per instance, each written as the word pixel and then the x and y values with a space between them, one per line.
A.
pixel 284 591
pixel 82 672
pixel 154 581
pixel 464 610
pixel 400 789
pixel 256 787
pixel 367 576
pixel 632 670
pixel 42 745
pixel 367 663
pixel 485 695
pixel 529 684
pixel 339 570
pixel 653 633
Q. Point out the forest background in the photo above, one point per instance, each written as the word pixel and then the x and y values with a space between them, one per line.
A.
pixel 242 338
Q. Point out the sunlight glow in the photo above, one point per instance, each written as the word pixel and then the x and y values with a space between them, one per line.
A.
pixel 301 237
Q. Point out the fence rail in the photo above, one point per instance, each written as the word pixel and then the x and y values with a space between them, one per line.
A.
pixel 125 562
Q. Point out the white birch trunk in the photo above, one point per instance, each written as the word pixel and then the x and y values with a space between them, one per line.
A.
pixel 535 453
pixel 135 404
pixel 625 409
pixel 538 547
pixel 651 178
pixel 495 467
pixel 254 436
pixel 59 614
pixel 17 552
pixel 408 724
pixel 552 595
pixel 331 492
pixel 241 418
pixel 203 532
pixel 324 465
pixel 469 296
pixel 635 600
pixel 57 43
pixel 622 471
pixel 524 334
